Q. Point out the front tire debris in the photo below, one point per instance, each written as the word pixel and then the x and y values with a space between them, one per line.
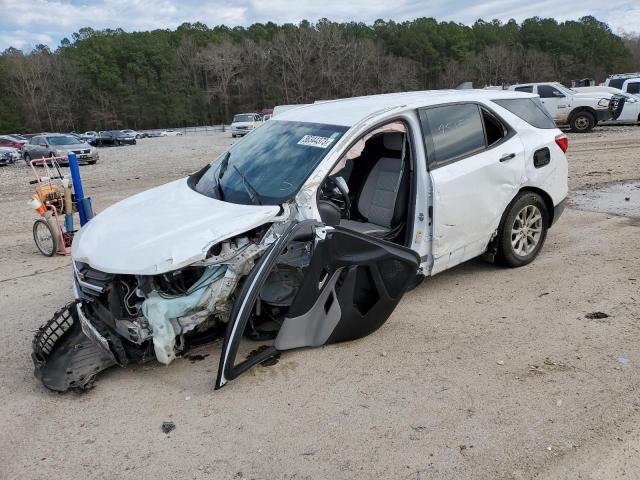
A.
pixel 63 356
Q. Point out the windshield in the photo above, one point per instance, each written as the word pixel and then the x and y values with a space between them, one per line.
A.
pixel 62 140
pixel 270 165
pixel 243 118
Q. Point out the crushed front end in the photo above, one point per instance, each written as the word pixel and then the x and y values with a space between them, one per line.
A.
pixel 120 319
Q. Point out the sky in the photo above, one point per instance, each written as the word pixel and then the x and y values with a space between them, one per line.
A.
pixel 26 23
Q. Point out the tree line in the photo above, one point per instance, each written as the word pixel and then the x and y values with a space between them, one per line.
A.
pixel 197 75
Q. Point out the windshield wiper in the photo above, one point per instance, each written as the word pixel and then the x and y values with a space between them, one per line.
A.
pixel 253 194
pixel 221 172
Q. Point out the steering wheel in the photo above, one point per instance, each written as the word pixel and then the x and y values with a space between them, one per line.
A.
pixel 337 192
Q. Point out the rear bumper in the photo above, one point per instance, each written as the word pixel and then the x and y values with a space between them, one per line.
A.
pixel 558 210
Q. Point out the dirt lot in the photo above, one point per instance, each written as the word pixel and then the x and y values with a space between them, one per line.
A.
pixel 481 372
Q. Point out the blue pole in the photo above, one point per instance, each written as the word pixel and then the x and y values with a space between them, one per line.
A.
pixel 77 186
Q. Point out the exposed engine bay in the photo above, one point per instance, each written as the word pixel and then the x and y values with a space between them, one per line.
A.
pixel 138 318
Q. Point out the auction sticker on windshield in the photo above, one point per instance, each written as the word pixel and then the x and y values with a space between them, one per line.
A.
pixel 315 141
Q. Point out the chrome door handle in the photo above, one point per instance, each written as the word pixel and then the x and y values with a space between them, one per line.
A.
pixel 507 156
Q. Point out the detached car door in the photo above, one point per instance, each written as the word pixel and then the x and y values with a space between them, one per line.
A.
pixel 350 286
pixel 476 163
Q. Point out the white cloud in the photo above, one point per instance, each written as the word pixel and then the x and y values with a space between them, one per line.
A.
pixel 47 21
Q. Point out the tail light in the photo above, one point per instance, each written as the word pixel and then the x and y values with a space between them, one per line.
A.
pixel 563 142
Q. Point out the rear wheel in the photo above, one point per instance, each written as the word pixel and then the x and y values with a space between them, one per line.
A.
pixel 524 230
pixel 45 237
pixel 582 122
pixel 27 158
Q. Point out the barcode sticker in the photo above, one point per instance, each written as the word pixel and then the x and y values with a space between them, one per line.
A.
pixel 315 141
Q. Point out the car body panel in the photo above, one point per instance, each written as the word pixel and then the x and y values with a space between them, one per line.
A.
pixel 465 216
pixel 349 289
pixel 162 229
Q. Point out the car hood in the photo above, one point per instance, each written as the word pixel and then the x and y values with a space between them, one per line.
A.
pixel 594 95
pixel 162 229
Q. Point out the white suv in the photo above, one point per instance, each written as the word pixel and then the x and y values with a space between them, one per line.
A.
pixel 244 123
pixel 310 230
pixel 581 111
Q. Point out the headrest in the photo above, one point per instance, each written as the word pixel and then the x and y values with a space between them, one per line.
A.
pixel 393 141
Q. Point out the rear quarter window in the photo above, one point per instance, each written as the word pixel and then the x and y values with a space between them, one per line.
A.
pixel 530 110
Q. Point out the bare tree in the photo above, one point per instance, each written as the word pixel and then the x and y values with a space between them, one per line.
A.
pixel 223 63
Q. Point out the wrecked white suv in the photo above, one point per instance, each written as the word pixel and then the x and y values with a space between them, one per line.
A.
pixel 308 231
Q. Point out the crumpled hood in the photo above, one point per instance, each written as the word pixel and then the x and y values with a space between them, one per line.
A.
pixel 162 229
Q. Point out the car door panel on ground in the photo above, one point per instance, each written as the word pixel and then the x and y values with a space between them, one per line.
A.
pixel 350 287
pixel 476 165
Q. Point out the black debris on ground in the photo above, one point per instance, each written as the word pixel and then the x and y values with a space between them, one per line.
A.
pixel 196 357
pixel 168 427
pixel 596 315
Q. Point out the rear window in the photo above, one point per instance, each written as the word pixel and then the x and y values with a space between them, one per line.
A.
pixel 530 110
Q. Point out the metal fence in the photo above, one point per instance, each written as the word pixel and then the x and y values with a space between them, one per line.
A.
pixel 201 130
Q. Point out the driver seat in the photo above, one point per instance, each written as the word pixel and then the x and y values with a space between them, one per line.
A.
pixel 382 201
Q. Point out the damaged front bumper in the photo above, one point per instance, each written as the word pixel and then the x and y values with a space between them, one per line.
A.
pixel 64 356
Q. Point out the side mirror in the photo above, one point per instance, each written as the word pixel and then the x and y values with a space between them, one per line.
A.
pixel 557 94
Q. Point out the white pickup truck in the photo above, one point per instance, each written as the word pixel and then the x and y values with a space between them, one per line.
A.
pixel 580 110
pixel 627 82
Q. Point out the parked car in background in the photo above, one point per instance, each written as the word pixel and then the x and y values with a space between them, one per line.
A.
pixel 630 110
pixel 627 82
pixel 244 123
pixel 169 133
pixel 9 155
pixel 114 138
pixel 133 133
pixel 580 111
pixel 59 145
pixel 90 137
pixel 18 136
pixel 153 134
pixel 12 142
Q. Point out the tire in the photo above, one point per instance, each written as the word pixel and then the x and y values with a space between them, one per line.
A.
pixel 45 238
pixel 582 122
pixel 91 162
pixel 233 135
pixel 27 158
pixel 523 230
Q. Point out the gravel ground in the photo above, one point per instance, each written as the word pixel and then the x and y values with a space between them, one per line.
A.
pixel 480 373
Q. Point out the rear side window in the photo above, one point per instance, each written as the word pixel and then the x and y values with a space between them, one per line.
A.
pixel 530 110
pixel 633 87
pixel 527 89
pixel 455 131
pixel 616 82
